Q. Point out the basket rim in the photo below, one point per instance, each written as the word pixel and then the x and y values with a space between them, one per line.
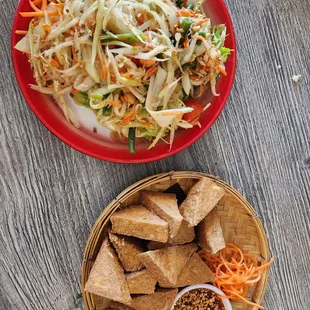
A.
pixel 104 217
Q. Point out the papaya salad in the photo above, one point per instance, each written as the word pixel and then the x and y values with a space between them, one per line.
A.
pixel 134 63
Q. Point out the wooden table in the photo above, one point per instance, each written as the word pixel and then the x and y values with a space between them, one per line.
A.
pixel 51 195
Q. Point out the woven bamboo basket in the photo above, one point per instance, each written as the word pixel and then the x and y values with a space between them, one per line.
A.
pixel 239 222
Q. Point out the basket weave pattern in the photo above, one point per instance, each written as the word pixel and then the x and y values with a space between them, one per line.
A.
pixel 238 220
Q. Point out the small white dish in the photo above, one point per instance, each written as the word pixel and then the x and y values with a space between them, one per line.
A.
pixel 210 287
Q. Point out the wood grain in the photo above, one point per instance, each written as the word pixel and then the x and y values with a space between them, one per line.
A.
pixel 51 195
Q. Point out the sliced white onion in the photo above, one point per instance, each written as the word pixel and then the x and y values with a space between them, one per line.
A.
pixel 186 83
pixel 23 45
pixel 83 84
pixel 164 119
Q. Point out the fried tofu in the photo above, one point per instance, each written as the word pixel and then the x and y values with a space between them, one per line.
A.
pixel 166 264
pixel 200 201
pixel 107 277
pixel 165 206
pixel 127 249
pixel 137 221
pixel 195 272
pixel 162 299
pixel 209 233
pixel 186 234
pixel 141 282
pixel 118 306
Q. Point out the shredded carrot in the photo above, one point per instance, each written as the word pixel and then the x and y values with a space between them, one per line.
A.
pixel 206 67
pixel 38 14
pixel 222 70
pixel 104 72
pixel 186 42
pixel 127 118
pixel 54 19
pixel 34 7
pixel 55 63
pixel 150 72
pixel 192 12
pixel 185 12
pixel 141 17
pixel 122 69
pixel 146 123
pixel 172 113
pixel 147 62
pixel 75 91
pixel 36 2
pixel 47 28
pixel 246 301
pixel 21 32
pixel 35 23
pixel 58 5
pixel 115 104
pixel 122 97
pixel 127 75
pixel 235 272
pixel 200 22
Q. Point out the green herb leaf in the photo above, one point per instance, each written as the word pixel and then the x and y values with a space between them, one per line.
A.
pixel 82 98
pixel 225 51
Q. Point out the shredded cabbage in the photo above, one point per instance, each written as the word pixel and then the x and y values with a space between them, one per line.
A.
pixel 133 62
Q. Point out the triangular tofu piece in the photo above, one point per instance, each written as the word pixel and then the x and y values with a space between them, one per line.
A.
pixel 127 249
pixel 107 277
pixel 162 299
pixel 201 199
pixel 186 234
pixel 166 264
pixel 209 233
pixel 165 206
pixel 195 272
pixel 137 221
pixel 117 306
pixel 141 282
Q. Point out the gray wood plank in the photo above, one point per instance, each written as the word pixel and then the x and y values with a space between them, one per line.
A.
pixel 51 195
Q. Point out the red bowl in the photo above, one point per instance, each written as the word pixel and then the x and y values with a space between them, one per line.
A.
pixel 50 115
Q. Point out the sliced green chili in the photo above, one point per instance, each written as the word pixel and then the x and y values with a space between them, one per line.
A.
pixel 132 140
pixel 106 111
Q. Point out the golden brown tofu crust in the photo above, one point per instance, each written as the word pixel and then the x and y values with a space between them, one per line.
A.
pixel 127 249
pixel 107 277
pixel 200 201
pixel 137 221
pixel 209 233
